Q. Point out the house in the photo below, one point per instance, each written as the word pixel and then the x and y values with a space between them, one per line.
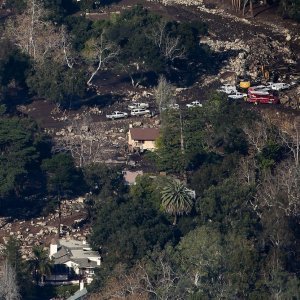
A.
pixel 73 258
pixel 141 139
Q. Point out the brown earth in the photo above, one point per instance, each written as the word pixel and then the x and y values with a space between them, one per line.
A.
pixel 115 93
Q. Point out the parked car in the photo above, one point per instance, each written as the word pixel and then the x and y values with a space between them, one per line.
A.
pixel 138 105
pixel 227 89
pixel 278 86
pixel 140 112
pixel 117 115
pixel 194 104
pixel 237 96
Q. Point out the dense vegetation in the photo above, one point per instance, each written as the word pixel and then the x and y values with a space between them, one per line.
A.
pixel 238 238
pixel 241 238
pixel 66 52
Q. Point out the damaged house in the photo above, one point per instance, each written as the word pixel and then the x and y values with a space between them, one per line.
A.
pixel 141 139
pixel 73 260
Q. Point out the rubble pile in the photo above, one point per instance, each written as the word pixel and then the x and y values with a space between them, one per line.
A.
pixel 41 230
pixel 271 53
pixel 91 138
pixel 180 2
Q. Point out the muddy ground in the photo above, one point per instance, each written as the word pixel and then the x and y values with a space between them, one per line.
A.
pixel 227 29
pixel 91 137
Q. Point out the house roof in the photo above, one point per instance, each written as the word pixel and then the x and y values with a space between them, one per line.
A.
pixel 76 252
pixel 144 134
pixel 61 256
pixel 85 263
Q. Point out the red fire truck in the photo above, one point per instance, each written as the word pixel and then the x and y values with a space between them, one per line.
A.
pixel 261 94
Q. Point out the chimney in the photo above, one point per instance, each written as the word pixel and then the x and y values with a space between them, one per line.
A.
pixel 81 285
pixel 53 247
pixel 98 261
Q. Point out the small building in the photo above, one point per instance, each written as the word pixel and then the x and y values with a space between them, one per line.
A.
pixel 73 258
pixel 130 176
pixel 141 139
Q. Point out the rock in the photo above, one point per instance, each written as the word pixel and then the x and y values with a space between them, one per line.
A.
pixel 137 124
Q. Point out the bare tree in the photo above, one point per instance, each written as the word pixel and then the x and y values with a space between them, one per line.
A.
pixel 257 134
pixel 291 139
pixel 164 93
pixel 169 46
pixel 83 139
pixel 246 170
pixel 279 190
pixel 9 289
pixel 66 47
pixel 162 287
pixel 32 34
pixel 100 52
pixel 134 71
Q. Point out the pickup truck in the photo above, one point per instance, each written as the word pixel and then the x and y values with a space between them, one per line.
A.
pixel 138 105
pixel 237 96
pixel 117 115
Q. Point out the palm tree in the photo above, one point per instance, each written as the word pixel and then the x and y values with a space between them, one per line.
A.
pixel 176 199
pixel 40 264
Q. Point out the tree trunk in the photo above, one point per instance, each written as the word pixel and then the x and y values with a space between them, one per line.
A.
pixel 175 220
pixel 182 146
pixel 59 213
pixel 95 72
pixel 244 6
pixel 251 8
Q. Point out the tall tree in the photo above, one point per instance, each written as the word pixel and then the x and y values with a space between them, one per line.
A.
pixel 40 264
pixel 9 289
pixel 176 199
pixel 62 178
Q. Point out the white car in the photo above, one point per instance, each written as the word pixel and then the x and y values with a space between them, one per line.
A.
pixel 227 89
pixel 140 112
pixel 194 104
pixel 237 96
pixel 278 86
pixel 138 105
pixel 117 115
